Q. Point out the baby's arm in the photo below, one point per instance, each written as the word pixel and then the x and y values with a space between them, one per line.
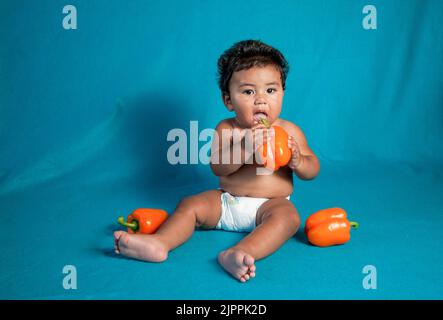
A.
pixel 304 163
pixel 218 148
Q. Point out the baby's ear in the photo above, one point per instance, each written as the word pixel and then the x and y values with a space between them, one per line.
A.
pixel 227 101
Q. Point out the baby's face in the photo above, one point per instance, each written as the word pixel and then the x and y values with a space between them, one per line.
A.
pixel 254 93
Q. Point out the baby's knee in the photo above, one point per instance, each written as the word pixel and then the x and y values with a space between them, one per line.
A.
pixel 187 205
pixel 191 205
pixel 289 219
pixel 186 202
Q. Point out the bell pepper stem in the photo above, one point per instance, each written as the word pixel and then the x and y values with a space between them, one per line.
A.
pixel 265 122
pixel 353 224
pixel 133 225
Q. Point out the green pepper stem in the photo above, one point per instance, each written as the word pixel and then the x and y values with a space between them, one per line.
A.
pixel 353 224
pixel 265 122
pixel 133 225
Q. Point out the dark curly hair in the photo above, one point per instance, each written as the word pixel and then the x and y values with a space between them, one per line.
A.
pixel 247 54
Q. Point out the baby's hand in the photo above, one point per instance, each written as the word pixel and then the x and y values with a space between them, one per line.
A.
pixel 297 157
pixel 261 134
pixel 258 135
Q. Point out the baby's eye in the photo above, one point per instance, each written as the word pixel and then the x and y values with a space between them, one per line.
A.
pixel 271 90
pixel 248 92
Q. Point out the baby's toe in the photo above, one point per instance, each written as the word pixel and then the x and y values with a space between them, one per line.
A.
pixel 248 261
pixel 117 236
pixel 123 241
pixel 120 239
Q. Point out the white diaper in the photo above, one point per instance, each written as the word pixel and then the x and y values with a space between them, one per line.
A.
pixel 239 213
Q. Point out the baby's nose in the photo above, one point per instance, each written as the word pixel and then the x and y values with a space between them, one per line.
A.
pixel 260 100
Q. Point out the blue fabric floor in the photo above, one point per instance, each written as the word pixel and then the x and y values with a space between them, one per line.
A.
pixel 399 208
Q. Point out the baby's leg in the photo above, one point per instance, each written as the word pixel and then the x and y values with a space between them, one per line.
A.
pixel 277 221
pixel 201 210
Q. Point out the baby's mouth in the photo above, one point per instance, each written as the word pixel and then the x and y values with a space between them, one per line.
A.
pixel 260 115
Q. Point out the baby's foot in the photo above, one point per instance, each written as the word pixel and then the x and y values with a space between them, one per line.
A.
pixel 140 246
pixel 238 263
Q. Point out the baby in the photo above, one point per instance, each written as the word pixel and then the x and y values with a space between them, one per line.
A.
pixel 252 79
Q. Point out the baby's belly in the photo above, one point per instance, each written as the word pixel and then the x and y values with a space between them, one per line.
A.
pixel 246 183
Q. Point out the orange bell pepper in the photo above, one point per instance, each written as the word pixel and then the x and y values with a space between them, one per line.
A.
pixel 144 220
pixel 280 149
pixel 329 227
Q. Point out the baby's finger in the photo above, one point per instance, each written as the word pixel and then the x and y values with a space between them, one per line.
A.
pixel 258 127
pixel 271 132
pixel 291 144
pixel 266 132
pixel 258 142
pixel 259 132
pixel 262 136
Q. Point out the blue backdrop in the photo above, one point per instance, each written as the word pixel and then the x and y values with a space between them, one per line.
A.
pixel 84 115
